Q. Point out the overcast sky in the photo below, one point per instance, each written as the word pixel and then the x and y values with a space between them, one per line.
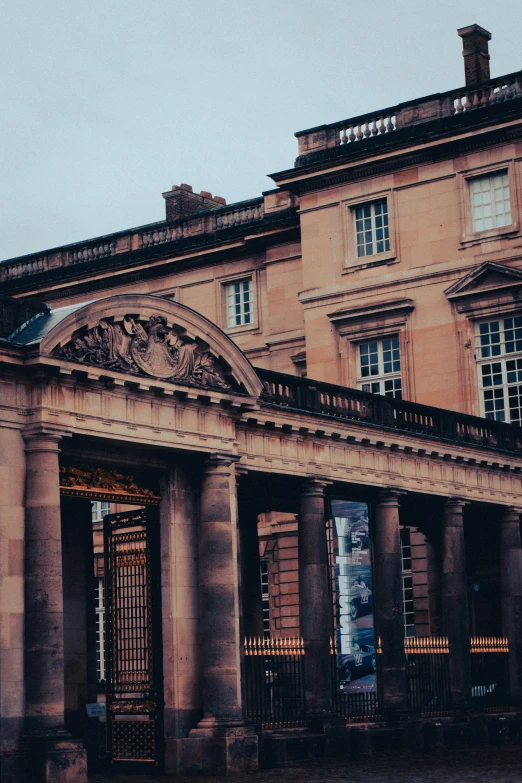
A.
pixel 106 104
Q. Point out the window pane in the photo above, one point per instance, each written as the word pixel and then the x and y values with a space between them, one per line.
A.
pixel 240 304
pixel 371 228
pixel 490 201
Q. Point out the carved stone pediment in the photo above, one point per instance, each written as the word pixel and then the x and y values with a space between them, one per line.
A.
pixel 147 347
pixel 485 278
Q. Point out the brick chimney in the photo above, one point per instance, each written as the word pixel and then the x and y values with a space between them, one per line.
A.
pixel 181 202
pixel 475 52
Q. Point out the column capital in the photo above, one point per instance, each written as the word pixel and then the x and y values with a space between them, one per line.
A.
pixel 511 514
pixel 219 462
pixel 455 503
pixel 314 486
pixel 42 437
pixel 390 496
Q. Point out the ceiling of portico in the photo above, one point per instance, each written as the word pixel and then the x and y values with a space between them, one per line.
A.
pixel 145 336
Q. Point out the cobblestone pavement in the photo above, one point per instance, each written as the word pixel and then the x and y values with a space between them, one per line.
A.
pixel 489 765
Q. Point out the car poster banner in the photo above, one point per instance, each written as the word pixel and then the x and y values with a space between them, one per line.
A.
pixel 353 590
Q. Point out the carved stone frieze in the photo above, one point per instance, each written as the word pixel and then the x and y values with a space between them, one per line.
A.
pixel 98 482
pixel 146 347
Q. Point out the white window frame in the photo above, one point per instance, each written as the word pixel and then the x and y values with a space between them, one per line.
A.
pixel 353 260
pixel 224 284
pixel 99 609
pixel 408 600
pixel 381 377
pixel 488 199
pixel 464 179
pixel 499 366
pixel 99 509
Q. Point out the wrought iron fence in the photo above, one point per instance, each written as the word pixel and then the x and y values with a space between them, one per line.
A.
pixel 489 672
pixel 356 707
pixel 274 691
pixel 428 674
pixel 274 684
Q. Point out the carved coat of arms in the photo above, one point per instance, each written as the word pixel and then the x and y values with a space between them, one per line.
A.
pixel 146 348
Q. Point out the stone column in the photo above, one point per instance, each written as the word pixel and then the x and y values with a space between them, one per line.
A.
pixel 51 751
pixel 219 596
pixel 315 599
pixel 234 748
pixel 455 613
pixel 511 596
pixel 388 603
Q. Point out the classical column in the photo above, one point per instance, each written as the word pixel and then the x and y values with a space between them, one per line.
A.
pixel 50 748
pixel 315 604
pixel 44 662
pixel 455 613
pixel 219 597
pixel 388 602
pixel 511 596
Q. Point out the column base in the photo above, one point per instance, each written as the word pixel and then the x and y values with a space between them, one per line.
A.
pixel 53 757
pixel 218 750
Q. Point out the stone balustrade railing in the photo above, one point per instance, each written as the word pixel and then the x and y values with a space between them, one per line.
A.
pixel 432 107
pixel 21 268
pixel 338 402
pixel 208 222
pixel 90 252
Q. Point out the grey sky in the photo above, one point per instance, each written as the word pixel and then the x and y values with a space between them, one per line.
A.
pixel 107 103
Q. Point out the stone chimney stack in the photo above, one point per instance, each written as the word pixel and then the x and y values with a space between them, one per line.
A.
pixel 181 202
pixel 475 52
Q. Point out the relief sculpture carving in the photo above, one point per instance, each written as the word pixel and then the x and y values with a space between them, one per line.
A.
pixel 146 348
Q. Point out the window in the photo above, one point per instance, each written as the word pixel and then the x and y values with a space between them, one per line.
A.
pixel 372 229
pixel 99 510
pixel 265 600
pixel 490 201
pixel 407 583
pixel 499 357
pixel 99 608
pixel 379 369
pixel 239 303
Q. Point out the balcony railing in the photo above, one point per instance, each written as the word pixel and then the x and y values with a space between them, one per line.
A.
pixel 209 222
pixel 338 402
pixel 368 126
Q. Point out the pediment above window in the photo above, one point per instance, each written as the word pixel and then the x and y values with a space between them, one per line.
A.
pixel 378 315
pixel 489 286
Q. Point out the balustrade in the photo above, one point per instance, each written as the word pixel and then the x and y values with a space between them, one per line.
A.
pixel 91 252
pixel 385 121
pixel 31 266
pixel 339 402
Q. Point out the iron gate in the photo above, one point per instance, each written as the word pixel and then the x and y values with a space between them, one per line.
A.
pixel 133 634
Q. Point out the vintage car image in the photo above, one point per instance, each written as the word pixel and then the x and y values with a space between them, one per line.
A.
pixel 357 664
pixel 361 597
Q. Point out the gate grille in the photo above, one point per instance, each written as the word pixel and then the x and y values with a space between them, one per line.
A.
pixel 134 706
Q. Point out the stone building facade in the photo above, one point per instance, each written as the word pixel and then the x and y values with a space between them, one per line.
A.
pixel 223 375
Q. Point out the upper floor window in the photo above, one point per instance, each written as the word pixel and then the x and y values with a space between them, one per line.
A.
pixel 490 201
pixel 99 509
pixel 239 303
pixel 499 357
pixel 379 369
pixel 372 229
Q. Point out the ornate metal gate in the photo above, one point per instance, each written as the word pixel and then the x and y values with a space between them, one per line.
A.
pixel 133 633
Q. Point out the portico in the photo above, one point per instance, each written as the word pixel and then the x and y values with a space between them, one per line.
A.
pixel 151 390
